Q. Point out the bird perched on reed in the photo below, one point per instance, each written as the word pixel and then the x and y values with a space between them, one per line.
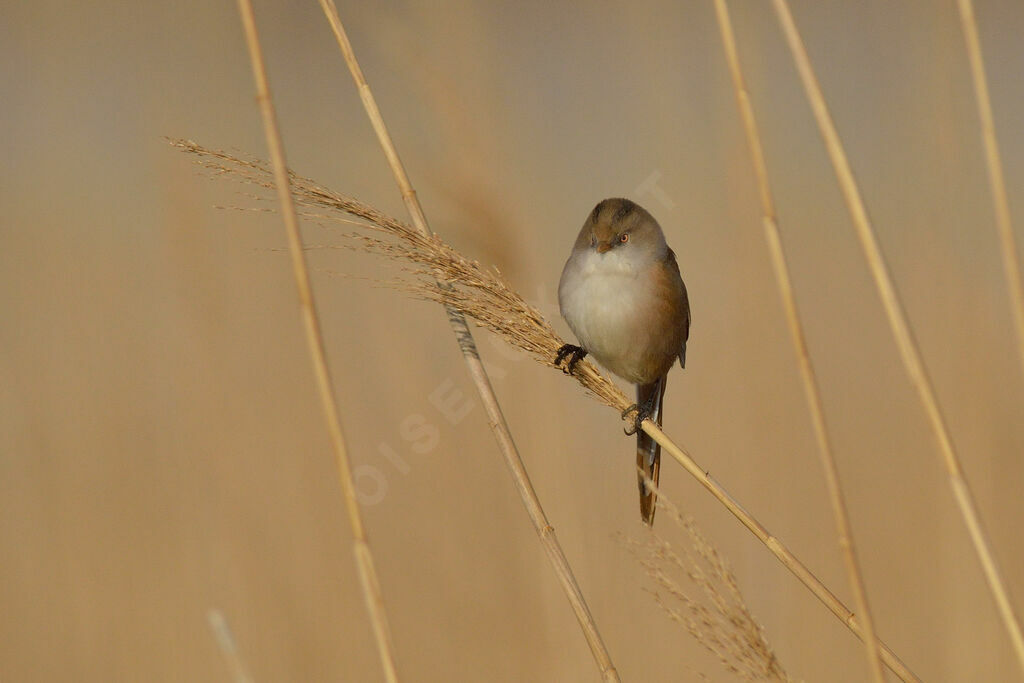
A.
pixel 623 297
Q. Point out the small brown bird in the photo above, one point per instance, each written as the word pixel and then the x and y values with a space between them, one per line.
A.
pixel 623 297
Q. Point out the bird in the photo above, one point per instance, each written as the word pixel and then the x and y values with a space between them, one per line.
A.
pixel 623 296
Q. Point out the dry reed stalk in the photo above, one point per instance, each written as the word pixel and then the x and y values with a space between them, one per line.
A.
pixel 464 336
pixel 437 272
pixel 807 374
pixel 361 546
pixel 720 620
pixel 1000 204
pixel 901 330
pixel 226 643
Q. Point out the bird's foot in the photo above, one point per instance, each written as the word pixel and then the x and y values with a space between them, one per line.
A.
pixel 574 353
pixel 643 412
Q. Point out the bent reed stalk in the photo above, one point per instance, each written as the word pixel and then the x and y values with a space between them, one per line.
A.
pixel 807 374
pixel 435 271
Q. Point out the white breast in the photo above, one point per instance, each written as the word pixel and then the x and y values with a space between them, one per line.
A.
pixel 600 295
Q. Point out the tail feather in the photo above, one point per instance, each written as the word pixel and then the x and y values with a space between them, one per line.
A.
pixel 648 452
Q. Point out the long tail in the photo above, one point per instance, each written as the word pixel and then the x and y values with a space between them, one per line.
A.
pixel 648 452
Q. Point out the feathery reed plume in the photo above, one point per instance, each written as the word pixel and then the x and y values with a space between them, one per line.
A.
pixel 908 348
pixel 226 643
pixel 807 374
pixel 361 546
pixel 719 619
pixel 434 270
pixel 518 323
pixel 1000 203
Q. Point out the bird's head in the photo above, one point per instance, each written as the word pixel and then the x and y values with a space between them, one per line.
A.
pixel 622 227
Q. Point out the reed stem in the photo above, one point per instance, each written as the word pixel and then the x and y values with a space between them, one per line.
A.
pixel 464 336
pixel 908 348
pixel 807 374
pixel 364 558
pixel 1000 203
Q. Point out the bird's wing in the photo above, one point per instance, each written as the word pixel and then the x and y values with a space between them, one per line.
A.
pixel 685 304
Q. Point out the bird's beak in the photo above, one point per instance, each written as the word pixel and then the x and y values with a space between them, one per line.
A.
pixel 603 247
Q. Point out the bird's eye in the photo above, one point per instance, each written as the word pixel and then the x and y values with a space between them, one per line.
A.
pixel 624 237
pixel 593 240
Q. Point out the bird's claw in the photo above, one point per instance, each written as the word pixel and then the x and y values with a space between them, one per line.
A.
pixel 642 413
pixel 573 352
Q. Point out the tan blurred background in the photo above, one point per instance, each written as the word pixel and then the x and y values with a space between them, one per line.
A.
pixel 162 452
